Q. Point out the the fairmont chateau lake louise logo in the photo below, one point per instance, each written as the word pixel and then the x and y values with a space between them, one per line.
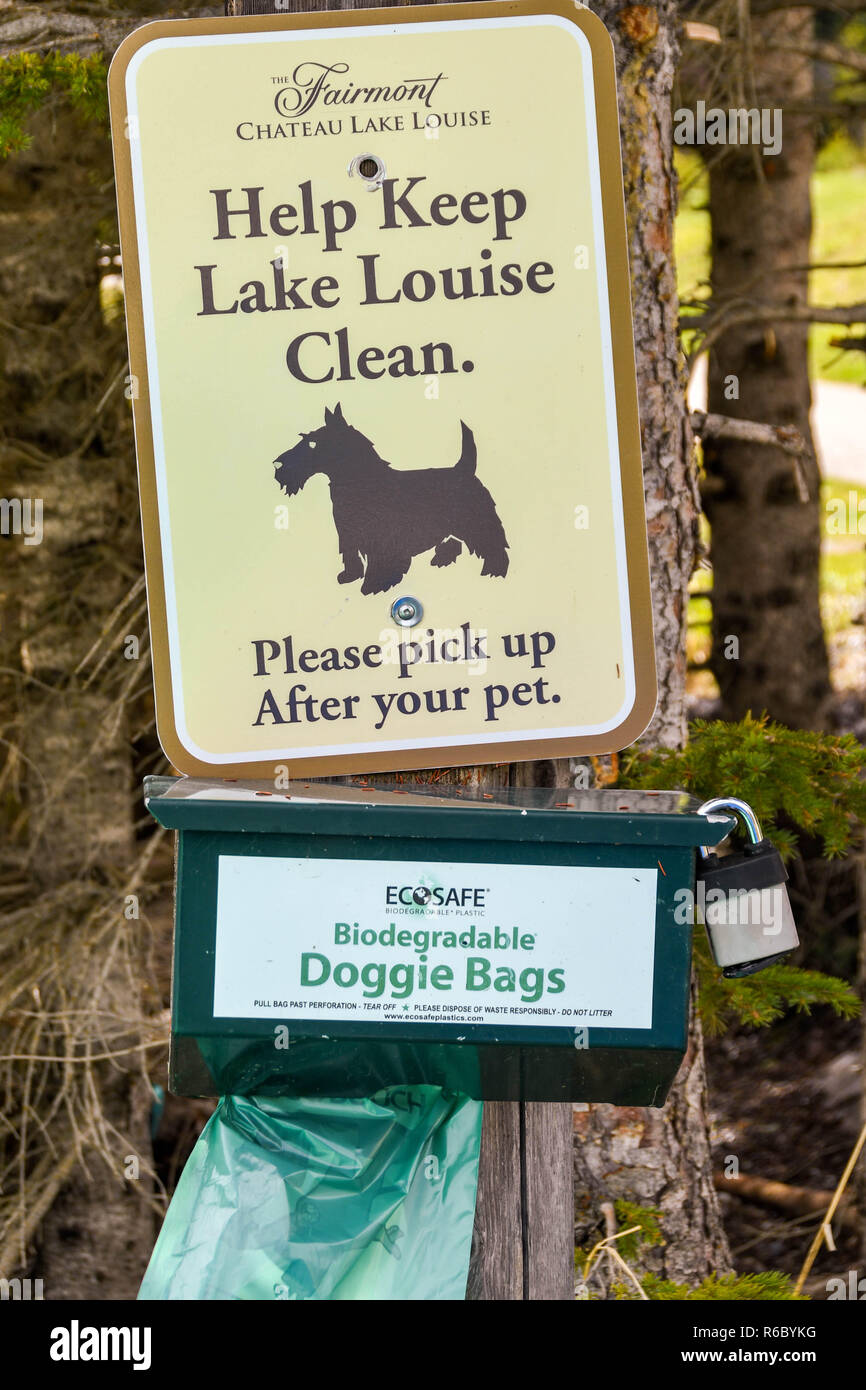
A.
pixel 321 99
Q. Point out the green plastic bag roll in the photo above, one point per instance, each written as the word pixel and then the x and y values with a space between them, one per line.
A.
pixel 292 1198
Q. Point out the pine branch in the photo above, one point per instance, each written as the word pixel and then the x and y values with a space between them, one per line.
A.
pixel 784 437
pixel 804 268
pixel 849 344
pixel 814 779
pixel 768 1286
pixel 822 52
pixel 714 323
pixel 842 109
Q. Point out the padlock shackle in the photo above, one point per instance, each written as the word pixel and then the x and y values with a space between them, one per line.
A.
pixel 740 808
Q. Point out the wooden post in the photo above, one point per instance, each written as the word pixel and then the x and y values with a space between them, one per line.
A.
pixel 523 1242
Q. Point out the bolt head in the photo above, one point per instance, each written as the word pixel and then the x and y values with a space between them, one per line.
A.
pixel 407 611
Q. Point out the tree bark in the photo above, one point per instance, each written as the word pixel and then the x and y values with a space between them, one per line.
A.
pixel 646 43
pixel 97 29
pixel 769 651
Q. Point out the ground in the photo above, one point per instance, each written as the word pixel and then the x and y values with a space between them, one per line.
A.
pixel 785 1103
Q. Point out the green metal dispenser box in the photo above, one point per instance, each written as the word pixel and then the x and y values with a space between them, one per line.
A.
pixel 526 945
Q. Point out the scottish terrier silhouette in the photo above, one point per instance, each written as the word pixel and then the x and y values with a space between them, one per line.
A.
pixel 386 516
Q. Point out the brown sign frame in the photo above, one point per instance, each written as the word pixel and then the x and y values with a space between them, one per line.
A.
pixel 616 252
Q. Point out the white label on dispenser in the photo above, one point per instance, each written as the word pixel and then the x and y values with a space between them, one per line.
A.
pixel 388 940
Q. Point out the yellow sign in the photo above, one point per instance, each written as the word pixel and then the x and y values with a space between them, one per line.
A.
pixel 383 380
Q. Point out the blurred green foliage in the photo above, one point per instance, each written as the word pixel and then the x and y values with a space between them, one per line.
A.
pixel 29 80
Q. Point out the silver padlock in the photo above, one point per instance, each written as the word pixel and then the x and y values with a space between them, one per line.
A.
pixel 744 900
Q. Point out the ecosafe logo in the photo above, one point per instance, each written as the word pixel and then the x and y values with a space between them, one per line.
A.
pixel 322 84
pixel 409 895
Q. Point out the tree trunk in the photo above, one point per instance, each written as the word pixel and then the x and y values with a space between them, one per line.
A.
pixel 769 651
pixel 646 43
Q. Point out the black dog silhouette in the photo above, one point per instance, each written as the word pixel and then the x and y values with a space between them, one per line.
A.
pixel 386 516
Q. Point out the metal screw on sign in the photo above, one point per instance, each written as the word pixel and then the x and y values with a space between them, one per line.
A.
pixel 407 611
pixel 368 167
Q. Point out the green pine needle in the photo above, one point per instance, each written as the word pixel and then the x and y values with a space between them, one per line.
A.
pixel 28 80
pixel 769 1286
